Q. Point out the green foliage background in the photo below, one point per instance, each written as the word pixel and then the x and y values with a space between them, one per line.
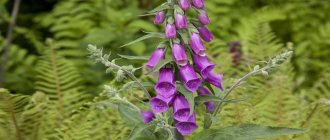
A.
pixel 54 86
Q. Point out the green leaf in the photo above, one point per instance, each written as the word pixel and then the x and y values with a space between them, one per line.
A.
pixel 142 132
pixel 189 96
pixel 160 64
pixel 134 57
pixel 147 36
pixel 246 132
pixel 202 98
pixel 162 7
pixel 129 114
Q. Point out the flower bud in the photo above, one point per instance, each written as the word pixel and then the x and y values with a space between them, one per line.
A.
pixel 198 4
pixel 196 44
pixel 147 116
pixel 203 18
pixel 184 4
pixel 170 31
pixel 166 83
pixel 205 34
pixel 159 17
pixel 181 21
pixel 203 64
pixel 187 127
pixel 209 104
pixel 156 56
pixel 189 78
pixel 181 108
pixel 215 79
pixel 179 55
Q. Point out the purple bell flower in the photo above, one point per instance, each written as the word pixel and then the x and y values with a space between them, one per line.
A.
pixel 187 127
pixel 189 78
pixel 159 17
pixel 147 116
pixel 215 79
pixel 197 44
pixel 170 31
pixel 209 104
pixel 184 4
pixel 205 34
pixel 179 55
pixel 166 83
pixel 203 64
pixel 155 57
pixel 160 104
pixel 198 4
pixel 181 21
pixel 181 108
pixel 203 18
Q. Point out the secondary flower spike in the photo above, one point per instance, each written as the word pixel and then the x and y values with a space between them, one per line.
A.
pixel 187 127
pixel 159 17
pixel 205 34
pixel 166 83
pixel 203 64
pixel 196 44
pixel 179 55
pixel 184 4
pixel 209 104
pixel 198 4
pixel 203 18
pixel 189 78
pixel 170 31
pixel 181 21
pixel 147 116
pixel 214 79
pixel 181 108
pixel 160 104
pixel 155 57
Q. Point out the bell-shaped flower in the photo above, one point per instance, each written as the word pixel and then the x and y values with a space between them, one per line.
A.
pixel 205 34
pixel 203 17
pixel 204 92
pixel 147 116
pixel 160 104
pixel 203 64
pixel 181 108
pixel 184 4
pixel 179 55
pixel 187 127
pixel 170 31
pixel 196 44
pixel 155 57
pixel 159 17
pixel 181 21
pixel 189 78
pixel 166 83
pixel 198 4
pixel 215 79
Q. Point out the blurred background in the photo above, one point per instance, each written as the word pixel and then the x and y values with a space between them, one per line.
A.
pixel 49 41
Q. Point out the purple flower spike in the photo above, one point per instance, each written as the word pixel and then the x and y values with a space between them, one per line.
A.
pixel 209 104
pixel 189 78
pixel 179 55
pixel 160 104
pixel 198 4
pixel 204 18
pixel 203 64
pixel 181 21
pixel 170 31
pixel 187 127
pixel 159 17
pixel 166 83
pixel 205 34
pixel 197 44
pixel 181 108
pixel 184 4
pixel 155 57
pixel 147 116
pixel 215 79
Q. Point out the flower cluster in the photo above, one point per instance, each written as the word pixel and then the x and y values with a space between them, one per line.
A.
pixel 191 75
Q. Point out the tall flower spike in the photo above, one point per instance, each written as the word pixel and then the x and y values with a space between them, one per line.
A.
pixel 181 21
pixel 166 83
pixel 209 104
pixel 147 116
pixel 215 79
pixel 159 17
pixel 181 108
pixel 170 31
pixel 198 4
pixel 189 78
pixel 160 104
pixel 203 17
pixel 156 56
pixel 187 127
pixel 203 64
pixel 205 34
pixel 197 44
pixel 184 4
pixel 179 55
